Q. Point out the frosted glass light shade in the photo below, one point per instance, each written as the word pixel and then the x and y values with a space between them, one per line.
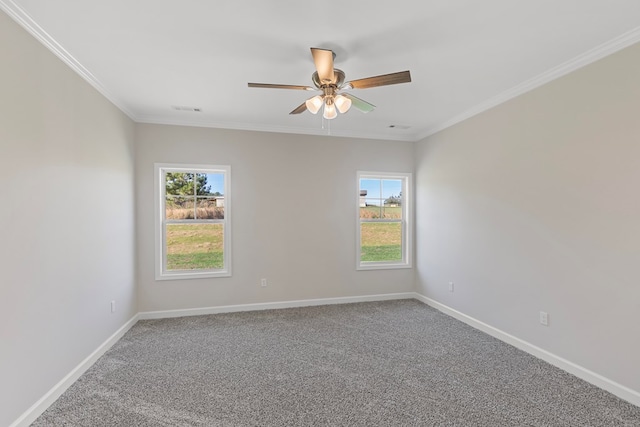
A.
pixel 330 111
pixel 342 103
pixel 314 104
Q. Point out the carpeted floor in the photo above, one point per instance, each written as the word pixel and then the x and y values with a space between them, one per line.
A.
pixel 392 363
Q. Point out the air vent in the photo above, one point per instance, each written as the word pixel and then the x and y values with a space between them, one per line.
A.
pixel 183 108
pixel 403 127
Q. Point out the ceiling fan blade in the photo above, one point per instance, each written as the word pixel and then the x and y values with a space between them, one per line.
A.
pixel 323 58
pixel 358 103
pixel 272 86
pixel 300 108
pixel 383 80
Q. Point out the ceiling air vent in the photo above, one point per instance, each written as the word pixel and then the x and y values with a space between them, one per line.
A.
pixel 183 108
pixel 403 127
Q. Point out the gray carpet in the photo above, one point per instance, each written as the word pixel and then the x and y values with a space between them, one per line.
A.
pixel 393 363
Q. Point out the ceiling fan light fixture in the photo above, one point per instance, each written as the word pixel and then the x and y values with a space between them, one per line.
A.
pixel 330 81
pixel 330 111
pixel 314 104
pixel 342 103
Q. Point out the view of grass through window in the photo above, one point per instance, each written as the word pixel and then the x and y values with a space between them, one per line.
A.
pixel 194 215
pixel 194 246
pixel 381 241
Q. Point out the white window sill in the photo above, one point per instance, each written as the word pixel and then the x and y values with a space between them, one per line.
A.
pixel 192 275
pixel 381 266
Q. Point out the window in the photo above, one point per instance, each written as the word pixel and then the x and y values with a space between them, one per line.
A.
pixel 384 235
pixel 192 223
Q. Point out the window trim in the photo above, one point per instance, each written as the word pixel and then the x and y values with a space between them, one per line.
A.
pixel 407 236
pixel 160 230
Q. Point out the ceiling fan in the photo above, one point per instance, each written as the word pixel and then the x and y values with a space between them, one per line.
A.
pixel 330 81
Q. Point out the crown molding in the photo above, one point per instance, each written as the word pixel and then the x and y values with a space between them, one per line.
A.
pixel 625 40
pixel 20 16
pixel 612 46
pixel 160 120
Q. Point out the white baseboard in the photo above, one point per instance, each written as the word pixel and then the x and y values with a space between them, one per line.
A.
pixel 271 305
pixel 56 391
pixel 598 380
pixel 41 405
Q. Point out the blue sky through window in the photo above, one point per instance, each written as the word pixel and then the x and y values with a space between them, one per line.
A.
pixel 380 189
pixel 216 181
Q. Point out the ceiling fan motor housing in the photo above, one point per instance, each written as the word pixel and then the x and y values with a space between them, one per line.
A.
pixel 339 79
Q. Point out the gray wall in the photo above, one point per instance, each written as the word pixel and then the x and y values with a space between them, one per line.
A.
pixel 66 220
pixel 530 206
pixel 534 205
pixel 294 215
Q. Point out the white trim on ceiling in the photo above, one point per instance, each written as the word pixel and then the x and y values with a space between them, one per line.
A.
pixel 625 40
pixel 278 129
pixel 612 46
pixel 26 21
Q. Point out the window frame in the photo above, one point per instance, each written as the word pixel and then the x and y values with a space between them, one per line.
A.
pixel 161 273
pixel 406 222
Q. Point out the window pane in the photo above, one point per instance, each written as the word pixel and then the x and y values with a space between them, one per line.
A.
pixel 179 184
pixel 194 246
pixel 381 241
pixel 392 211
pixel 215 183
pixel 179 207
pixel 371 209
pixel 210 208
pixel 202 187
pixel 370 188
pixel 391 190
pixel 392 193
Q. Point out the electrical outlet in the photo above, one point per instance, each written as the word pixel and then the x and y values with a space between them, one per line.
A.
pixel 450 286
pixel 544 318
pixel 263 282
pixel 113 306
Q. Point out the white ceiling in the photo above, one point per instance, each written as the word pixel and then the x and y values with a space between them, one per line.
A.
pixel 464 55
